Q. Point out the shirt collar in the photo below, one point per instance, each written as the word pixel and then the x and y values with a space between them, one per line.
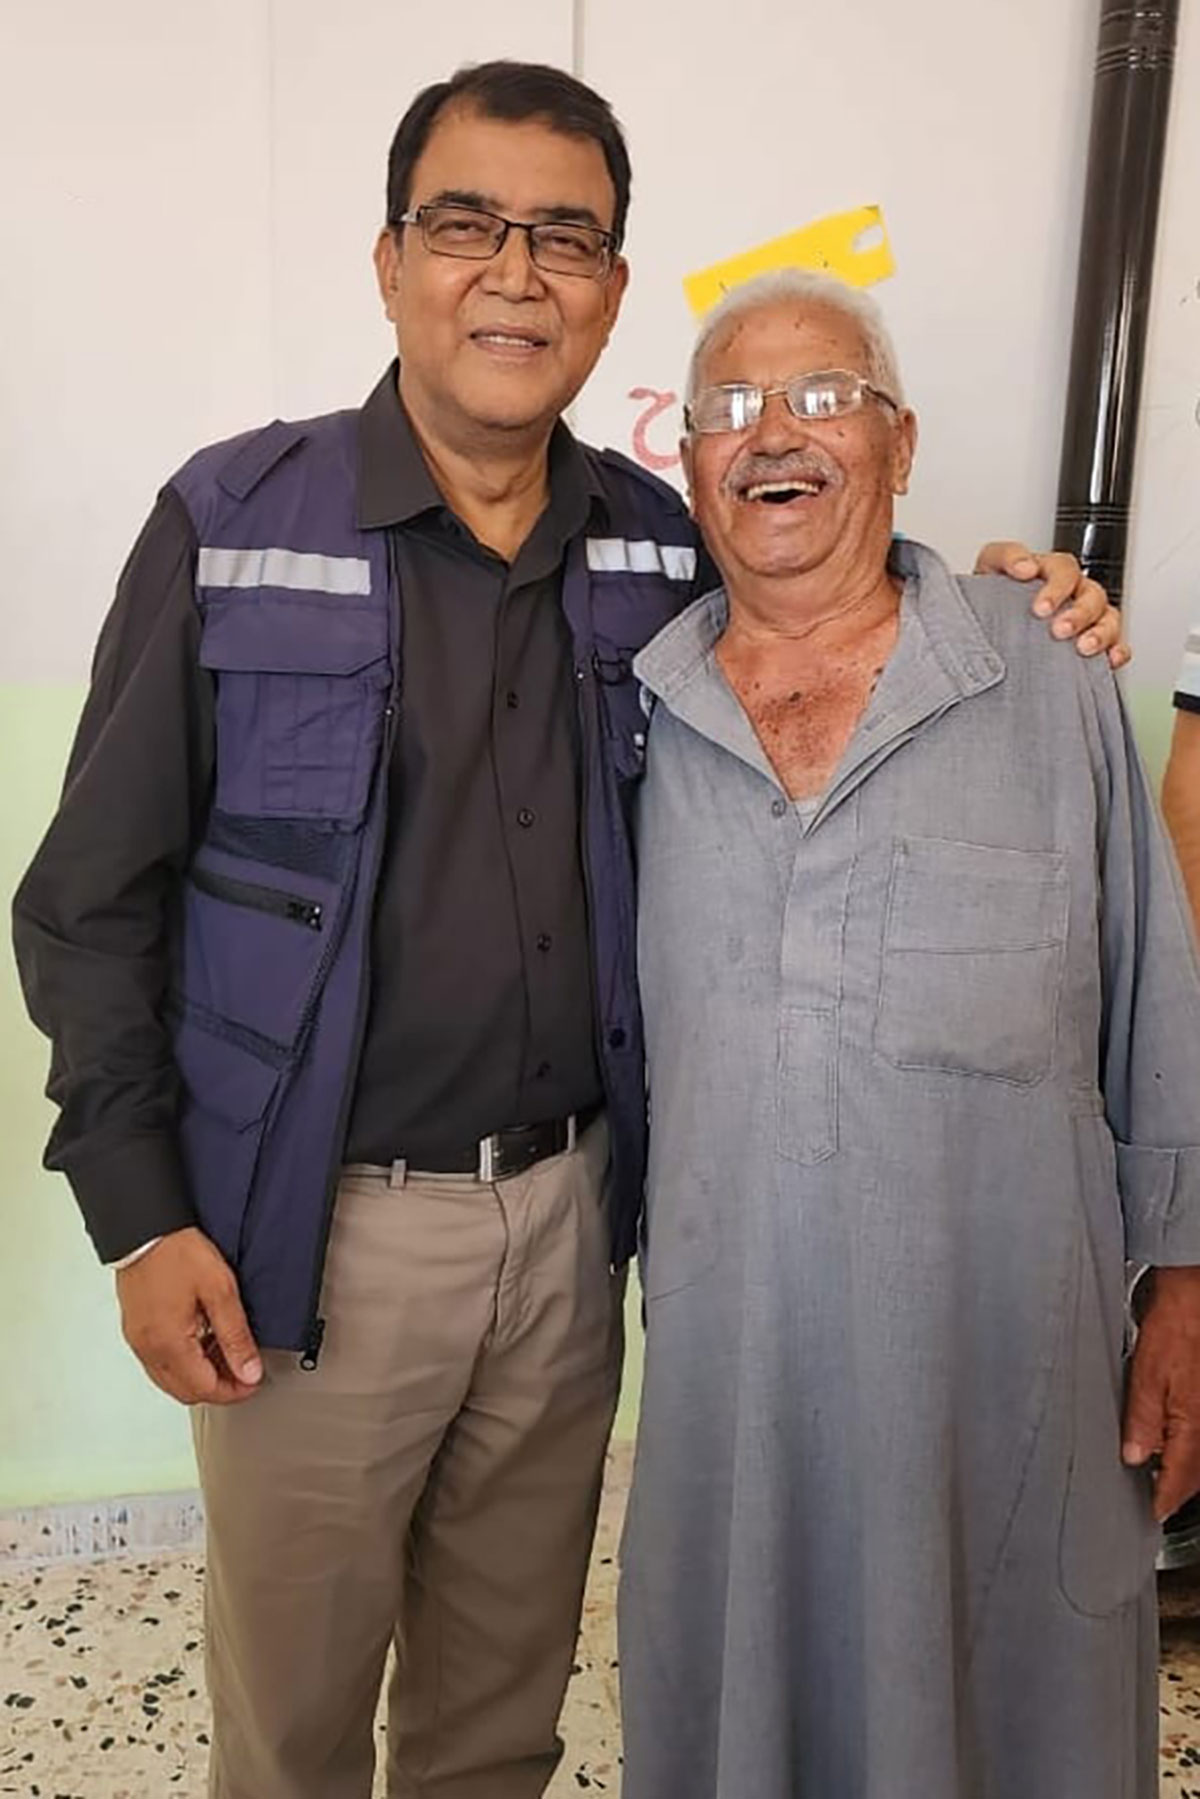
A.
pixel 969 661
pixel 395 485
pixel 682 649
pixel 942 656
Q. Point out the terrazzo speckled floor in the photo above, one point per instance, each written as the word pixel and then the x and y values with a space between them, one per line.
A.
pixel 102 1692
pixel 102 1680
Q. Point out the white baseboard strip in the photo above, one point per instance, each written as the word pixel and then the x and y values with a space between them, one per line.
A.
pixel 143 1524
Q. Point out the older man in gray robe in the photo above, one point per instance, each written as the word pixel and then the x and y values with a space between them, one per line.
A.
pixel 924 1043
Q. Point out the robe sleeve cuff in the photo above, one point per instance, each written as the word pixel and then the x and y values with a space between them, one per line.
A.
pixel 1160 1199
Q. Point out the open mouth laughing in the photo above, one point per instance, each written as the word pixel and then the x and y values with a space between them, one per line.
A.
pixel 781 482
pixel 782 493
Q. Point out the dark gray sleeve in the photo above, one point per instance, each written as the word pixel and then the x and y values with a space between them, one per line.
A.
pixel 1151 1027
pixel 91 916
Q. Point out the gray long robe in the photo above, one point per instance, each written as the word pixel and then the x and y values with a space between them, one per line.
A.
pixel 923 1072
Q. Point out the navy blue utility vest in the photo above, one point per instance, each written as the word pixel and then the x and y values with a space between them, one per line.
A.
pixel 271 950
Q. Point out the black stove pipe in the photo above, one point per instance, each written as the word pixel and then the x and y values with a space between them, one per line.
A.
pixel 1134 65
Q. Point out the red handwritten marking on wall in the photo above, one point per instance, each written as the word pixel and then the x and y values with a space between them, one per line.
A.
pixel 660 402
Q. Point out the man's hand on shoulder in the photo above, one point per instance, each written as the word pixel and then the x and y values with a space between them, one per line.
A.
pixel 1078 605
pixel 182 1316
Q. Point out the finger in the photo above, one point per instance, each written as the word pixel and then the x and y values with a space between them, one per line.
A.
pixel 192 1370
pixel 1007 558
pixel 182 1370
pixel 231 1328
pixel 1105 637
pixel 1080 616
pixel 1090 606
pixel 1179 1477
pixel 229 1389
pixel 1144 1430
pixel 1058 594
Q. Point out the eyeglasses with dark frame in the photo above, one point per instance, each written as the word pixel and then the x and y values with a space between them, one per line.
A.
pixel 820 394
pixel 557 246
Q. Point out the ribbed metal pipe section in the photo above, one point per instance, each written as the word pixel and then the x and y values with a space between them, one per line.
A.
pixel 1134 65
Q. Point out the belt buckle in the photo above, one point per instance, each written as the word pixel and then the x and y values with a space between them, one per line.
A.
pixel 487 1171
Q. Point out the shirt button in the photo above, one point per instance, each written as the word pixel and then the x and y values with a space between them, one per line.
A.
pixel 541 1071
pixel 544 941
pixel 616 1039
pixel 512 701
pixel 525 817
pixel 779 807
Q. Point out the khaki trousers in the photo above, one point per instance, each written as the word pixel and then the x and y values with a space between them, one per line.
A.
pixel 433 1483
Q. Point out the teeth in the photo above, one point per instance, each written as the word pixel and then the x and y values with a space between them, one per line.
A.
pixel 761 488
pixel 504 337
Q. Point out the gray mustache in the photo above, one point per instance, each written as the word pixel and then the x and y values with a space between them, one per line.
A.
pixel 796 465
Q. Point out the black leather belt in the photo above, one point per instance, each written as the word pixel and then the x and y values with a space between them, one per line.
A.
pixel 504 1153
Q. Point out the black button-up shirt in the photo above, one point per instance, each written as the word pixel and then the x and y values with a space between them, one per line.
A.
pixel 480 1001
pixel 481 1009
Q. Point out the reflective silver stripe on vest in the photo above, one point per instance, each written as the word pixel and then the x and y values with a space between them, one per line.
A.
pixel 641 556
pixel 283 568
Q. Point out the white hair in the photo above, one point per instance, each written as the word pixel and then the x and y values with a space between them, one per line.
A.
pixel 810 288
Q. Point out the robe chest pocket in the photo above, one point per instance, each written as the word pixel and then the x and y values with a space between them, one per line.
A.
pixel 301 688
pixel 972 959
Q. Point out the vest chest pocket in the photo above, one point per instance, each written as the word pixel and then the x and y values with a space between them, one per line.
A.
pixel 972 959
pixel 253 945
pixel 301 688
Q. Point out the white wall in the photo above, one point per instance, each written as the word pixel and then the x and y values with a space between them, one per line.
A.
pixel 968 124
pixel 1163 592
pixel 134 213
pixel 189 195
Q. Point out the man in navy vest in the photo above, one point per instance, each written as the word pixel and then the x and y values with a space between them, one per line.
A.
pixel 333 936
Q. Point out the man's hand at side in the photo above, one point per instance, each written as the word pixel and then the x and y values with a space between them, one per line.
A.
pixel 1162 1409
pixel 1078 604
pixel 182 1316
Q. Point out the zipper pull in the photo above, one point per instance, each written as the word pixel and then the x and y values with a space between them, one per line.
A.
pixel 312 1347
pixel 305 912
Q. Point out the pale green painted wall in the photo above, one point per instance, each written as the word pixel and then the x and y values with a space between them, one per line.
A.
pixel 1152 714
pixel 77 1418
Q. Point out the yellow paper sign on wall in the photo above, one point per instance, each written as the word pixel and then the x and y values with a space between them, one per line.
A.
pixel 852 245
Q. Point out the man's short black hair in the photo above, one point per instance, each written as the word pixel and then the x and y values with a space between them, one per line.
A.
pixel 514 91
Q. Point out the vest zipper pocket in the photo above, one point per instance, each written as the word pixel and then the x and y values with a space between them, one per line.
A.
pixel 261 899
